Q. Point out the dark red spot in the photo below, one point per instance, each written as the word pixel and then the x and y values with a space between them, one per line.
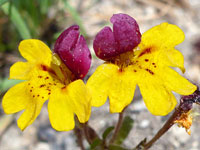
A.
pixel 32 87
pixel 146 51
pixel 146 60
pixel 54 83
pixel 120 70
pixel 151 72
pixel 49 93
pixel 153 63
pixel 30 90
pixel 42 85
pixel 136 61
pixel 46 68
pixel 42 97
pixel 135 70
pixel 33 96
pixel 38 95
pixel 49 90
pixel 64 87
pixel 49 83
pixel 46 78
pixel 154 66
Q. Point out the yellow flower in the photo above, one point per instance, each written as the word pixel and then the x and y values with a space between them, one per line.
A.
pixel 148 66
pixel 46 77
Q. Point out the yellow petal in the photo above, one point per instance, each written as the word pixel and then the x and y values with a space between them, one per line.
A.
pixel 157 98
pixel 99 83
pixel 172 58
pixel 121 91
pixel 80 100
pixel 60 111
pixel 163 35
pixel 21 70
pixel 35 50
pixel 30 114
pixel 176 82
pixel 66 101
pixel 16 99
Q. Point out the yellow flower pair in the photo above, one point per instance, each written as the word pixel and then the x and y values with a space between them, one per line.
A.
pixel 47 78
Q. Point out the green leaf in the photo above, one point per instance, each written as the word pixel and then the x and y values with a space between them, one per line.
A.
pixel 97 142
pixel 17 20
pixel 3 1
pixel 107 132
pixel 116 147
pixel 5 84
pixel 124 130
pixel 44 6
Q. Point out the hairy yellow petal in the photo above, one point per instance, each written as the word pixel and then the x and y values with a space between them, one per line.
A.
pixel 121 91
pixel 30 114
pixel 21 70
pixel 80 100
pixel 99 83
pixel 35 51
pixel 60 111
pixel 158 99
pixel 176 82
pixel 16 98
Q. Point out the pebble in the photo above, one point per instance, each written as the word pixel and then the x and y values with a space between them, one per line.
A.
pixel 42 146
pixel 144 124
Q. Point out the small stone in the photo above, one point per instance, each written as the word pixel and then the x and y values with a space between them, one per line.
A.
pixel 144 124
pixel 42 146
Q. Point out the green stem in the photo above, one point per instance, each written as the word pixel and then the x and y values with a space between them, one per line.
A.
pixel 117 128
pixel 164 129
pixel 78 133
pixel 90 133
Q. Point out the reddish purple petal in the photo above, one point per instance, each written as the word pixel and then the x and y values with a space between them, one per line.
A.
pixel 125 37
pixel 104 44
pixel 126 32
pixel 73 51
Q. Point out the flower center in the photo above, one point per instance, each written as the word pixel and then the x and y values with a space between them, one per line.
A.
pixel 123 60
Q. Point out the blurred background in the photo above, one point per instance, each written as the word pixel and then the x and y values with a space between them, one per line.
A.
pixel 46 19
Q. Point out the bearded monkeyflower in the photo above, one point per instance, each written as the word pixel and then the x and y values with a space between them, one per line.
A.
pixel 49 77
pixel 134 60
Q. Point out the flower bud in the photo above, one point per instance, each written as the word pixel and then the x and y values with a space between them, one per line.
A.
pixel 124 37
pixel 73 51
